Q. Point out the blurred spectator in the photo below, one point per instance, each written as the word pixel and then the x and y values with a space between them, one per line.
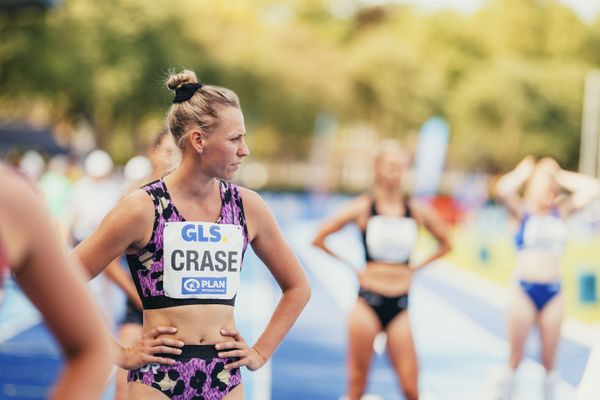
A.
pixel 32 164
pixel 92 196
pixel 90 199
pixel 56 186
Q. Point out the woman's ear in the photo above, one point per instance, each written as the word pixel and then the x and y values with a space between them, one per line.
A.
pixel 197 140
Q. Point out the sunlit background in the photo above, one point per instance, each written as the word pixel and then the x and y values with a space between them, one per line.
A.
pixel 469 86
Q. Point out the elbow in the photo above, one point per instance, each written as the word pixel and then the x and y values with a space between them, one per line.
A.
pixel 296 288
pixel 307 294
pixel 317 242
pixel 448 249
pixel 502 196
pixel 502 192
pixel 499 191
pixel 445 248
pixel 301 292
pixel 304 293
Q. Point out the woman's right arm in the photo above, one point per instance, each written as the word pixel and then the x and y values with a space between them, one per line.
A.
pixel 113 270
pixel 127 226
pixel 349 213
pixel 508 185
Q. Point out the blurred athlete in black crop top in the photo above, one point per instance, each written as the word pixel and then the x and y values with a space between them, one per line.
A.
pixel 389 223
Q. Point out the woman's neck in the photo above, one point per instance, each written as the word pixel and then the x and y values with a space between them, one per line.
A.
pixel 190 181
pixel 386 194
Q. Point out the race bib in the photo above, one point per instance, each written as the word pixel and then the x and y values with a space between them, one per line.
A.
pixel 391 239
pixel 545 232
pixel 202 260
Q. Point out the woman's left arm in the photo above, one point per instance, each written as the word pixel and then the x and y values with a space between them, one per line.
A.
pixel 427 216
pixel 583 189
pixel 270 246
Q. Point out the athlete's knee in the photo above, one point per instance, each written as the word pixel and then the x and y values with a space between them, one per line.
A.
pixel 358 379
pixel 548 362
pixel 357 382
pixel 516 355
pixel 549 355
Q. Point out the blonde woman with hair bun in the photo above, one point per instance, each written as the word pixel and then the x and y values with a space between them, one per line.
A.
pixel 185 236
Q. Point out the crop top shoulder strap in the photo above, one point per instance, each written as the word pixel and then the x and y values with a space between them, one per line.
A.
pixel 407 210
pixel 405 203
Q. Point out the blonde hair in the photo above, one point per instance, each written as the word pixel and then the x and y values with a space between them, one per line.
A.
pixel 198 111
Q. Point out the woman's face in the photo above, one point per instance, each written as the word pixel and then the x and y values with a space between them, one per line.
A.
pixel 542 188
pixel 389 167
pixel 226 146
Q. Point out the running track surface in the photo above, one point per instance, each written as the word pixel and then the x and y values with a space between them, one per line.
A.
pixel 458 324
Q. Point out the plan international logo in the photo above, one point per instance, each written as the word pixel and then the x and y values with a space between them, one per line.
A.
pixel 204 286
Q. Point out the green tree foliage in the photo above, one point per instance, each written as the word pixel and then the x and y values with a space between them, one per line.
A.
pixel 509 78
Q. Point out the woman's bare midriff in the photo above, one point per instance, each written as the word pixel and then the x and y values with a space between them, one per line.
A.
pixel 196 324
pixel 387 279
pixel 537 266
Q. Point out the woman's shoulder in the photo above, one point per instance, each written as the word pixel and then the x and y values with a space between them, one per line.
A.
pixel 353 210
pixel 251 198
pixel 420 209
pixel 137 206
pixel 360 203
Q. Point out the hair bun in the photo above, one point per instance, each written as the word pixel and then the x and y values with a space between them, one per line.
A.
pixel 175 81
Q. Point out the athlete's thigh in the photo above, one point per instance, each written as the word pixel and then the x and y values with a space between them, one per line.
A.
pixel 141 391
pixel 521 315
pixel 401 347
pixel 550 321
pixel 551 316
pixel 363 326
pixel 237 393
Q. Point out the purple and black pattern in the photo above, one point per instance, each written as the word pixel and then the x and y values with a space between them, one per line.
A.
pixel 147 266
pixel 192 379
